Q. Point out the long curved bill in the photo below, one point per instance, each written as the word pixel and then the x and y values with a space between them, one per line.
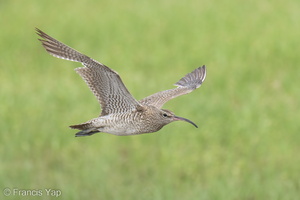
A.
pixel 184 119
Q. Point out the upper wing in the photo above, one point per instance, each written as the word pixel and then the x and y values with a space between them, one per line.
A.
pixel 105 83
pixel 185 85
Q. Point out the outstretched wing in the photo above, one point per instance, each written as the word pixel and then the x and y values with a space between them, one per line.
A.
pixel 185 85
pixel 104 82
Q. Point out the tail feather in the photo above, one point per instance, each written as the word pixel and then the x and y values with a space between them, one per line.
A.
pixel 82 126
pixel 87 129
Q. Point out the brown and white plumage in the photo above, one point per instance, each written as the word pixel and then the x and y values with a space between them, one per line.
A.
pixel 105 83
pixel 121 113
pixel 185 85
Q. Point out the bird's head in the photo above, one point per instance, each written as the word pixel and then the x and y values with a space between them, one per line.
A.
pixel 167 116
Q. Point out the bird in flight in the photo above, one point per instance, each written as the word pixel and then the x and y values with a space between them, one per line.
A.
pixel 121 113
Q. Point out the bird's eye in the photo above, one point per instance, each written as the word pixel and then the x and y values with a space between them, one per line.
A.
pixel 165 115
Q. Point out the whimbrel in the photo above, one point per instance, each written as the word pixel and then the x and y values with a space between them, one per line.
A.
pixel 121 113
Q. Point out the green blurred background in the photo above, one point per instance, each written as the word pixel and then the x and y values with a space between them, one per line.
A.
pixel 246 146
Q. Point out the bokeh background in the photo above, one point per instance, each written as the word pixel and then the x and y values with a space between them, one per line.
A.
pixel 246 146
